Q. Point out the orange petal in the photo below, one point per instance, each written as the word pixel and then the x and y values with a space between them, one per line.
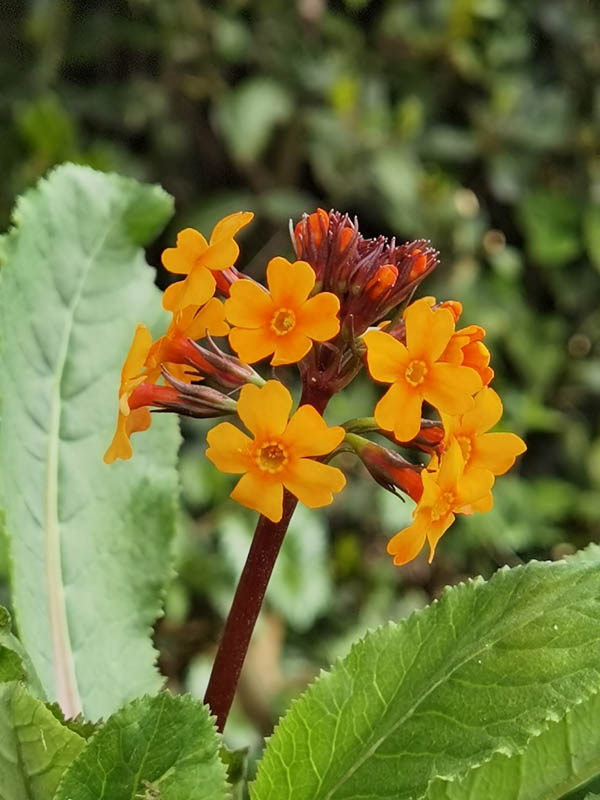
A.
pixel 252 345
pixel 138 420
pixel 451 468
pixel 190 246
pixel 497 451
pixel 220 255
pixel 313 483
pixel 435 532
pixel 427 331
pixel 289 284
pixel 265 411
pixel 227 227
pixel 290 348
pixel 138 353
pixel 486 411
pixel 249 305
pixel 228 448
pixel 318 317
pixel 210 318
pixel 196 289
pixel 307 434
pixel 399 410
pixel 450 388
pixel 387 358
pixel 473 486
pixel 254 491
pixel 407 544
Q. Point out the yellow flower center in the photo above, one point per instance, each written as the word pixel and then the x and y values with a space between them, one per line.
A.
pixel 466 445
pixel 271 457
pixel 443 506
pixel 284 320
pixel 416 372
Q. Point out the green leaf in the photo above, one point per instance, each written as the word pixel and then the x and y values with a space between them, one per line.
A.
pixel 158 747
pixel 591 233
pixel 564 756
pixel 480 672
pixel 550 222
pixel 35 748
pixel 89 544
pixel 249 114
pixel 15 664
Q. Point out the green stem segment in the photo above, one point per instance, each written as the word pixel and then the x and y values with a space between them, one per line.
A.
pixel 245 608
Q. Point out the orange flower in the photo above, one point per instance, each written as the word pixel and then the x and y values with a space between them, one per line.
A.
pixel 495 452
pixel 446 492
pixel 195 257
pixel 466 348
pixel 279 454
pixel 133 374
pixel 416 371
pixel 284 321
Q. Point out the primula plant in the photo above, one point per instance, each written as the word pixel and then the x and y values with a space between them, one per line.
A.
pixel 489 692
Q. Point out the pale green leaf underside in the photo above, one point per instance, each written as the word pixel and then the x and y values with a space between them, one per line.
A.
pixel 562 758
pixel 480 672
pixel 89 544
pixel 35 749
pixel 164 747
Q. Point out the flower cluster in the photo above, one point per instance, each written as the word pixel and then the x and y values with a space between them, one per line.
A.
pixel 343 304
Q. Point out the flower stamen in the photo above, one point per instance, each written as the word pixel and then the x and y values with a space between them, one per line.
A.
pixel 466 446
pixel 283 321
pixel 415 372
pixel 444 504
pixel 271 457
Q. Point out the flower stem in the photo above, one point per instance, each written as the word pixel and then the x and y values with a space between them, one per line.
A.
pixel 247 602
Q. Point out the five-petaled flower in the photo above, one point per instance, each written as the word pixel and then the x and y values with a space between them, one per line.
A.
pixel 416 371
pixel 280 454
pixel 197 259
pixel 446 492
pixel 284 321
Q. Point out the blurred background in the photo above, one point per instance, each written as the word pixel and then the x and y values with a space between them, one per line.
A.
pixel 474 123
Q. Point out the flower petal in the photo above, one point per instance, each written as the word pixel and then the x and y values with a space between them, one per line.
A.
pixel 486 411
pixel 220 255
pixel 307 434
pixel 289 284
pixel 248 305
pixel 435 532
pixel 399 410
pixel 387 358
pixel 265 411
pixel 252 345
pixel 450 388
pixel 318 317
pixel 190 246
pixel 139 419
pixel 427 331
pixel 497 451
pixel 138 353
pixel 194 290
pixel 473 486
pixel 210 318
pixel 228 448
pixel 290 348
pixel 313 483
pixel 254 491
pixel 408 543
pixel 227 227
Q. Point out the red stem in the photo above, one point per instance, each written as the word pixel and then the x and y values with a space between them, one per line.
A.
pixel 245 608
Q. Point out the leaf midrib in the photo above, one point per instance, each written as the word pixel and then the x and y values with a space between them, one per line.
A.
pixel 66 681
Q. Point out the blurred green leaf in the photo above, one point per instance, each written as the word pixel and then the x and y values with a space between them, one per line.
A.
pixel 550 223
pixel 591 230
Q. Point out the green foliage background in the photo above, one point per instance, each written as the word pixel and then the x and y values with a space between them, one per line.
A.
pixel 471 122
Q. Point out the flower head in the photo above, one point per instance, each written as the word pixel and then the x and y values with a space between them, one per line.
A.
pixel 133 374
pixel 196 258
pixel 283 321
pixel 446 492
pixel 279 454
pixel 416 371
pixel 370 276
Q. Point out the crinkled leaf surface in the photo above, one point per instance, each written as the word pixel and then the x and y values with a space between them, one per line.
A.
pixel 15 664
pixel 157 747
pixel 89 544
pixel 35 749
pixel 564 756
pixel 480 672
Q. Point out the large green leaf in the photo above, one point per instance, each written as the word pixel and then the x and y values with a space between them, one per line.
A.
pixel 35 749
pixel 564 756
pixel 89 544
pixel 15 664
pixel 158 747
pixel 480 672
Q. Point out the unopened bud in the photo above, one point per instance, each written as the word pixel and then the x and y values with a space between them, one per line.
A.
pixel 388 468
